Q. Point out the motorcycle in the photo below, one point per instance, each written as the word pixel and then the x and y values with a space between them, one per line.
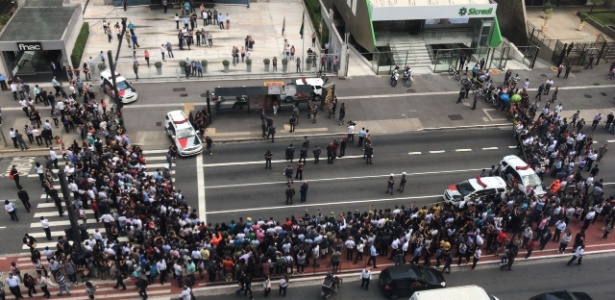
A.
pixel 330 286
pixel 408 78
pixel 394 78
pixel 322 75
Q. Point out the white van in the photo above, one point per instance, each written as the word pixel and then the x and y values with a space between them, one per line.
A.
pixel 518 172
pixel 289 93
pixel 468 292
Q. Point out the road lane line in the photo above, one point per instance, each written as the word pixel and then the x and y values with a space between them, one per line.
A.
pixel 490 148
pixel 512 147
pixel 229 211
pixel 200 180
pixel 340 178
pixel 437 151
pixel 610 141
pixel 258 162
pixel 414 153
pixel 463 150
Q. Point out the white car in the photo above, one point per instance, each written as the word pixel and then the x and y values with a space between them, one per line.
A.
pixel 182 133
pixel 127 93
pixel 479 186
pixel 520 175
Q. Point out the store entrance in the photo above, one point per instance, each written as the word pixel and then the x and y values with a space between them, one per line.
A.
pixel 31 63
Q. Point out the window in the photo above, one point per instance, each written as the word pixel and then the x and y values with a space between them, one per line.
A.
pixel 186 132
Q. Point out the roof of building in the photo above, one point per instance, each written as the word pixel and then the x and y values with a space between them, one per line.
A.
pixel 38 21
pixel 410 3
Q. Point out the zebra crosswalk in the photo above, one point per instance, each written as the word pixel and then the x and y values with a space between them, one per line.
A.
pixel 154 159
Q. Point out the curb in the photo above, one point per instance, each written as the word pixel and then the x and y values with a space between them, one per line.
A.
pixel 466 127
pixel 307 280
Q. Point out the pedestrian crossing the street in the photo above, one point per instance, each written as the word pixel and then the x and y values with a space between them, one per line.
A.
pixel 155 159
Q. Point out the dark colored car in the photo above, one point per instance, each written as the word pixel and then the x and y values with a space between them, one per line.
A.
pixel 406 279
pixel 562 295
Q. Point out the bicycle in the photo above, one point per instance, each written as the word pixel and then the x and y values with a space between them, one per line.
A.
pixel 454 72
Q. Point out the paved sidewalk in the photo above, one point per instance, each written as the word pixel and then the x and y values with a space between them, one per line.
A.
pixel 262 21
pixel 594 245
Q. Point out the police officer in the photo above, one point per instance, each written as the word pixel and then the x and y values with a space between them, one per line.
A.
pixel 303 154
pixel 316 152
pixel 268 156
pixel 271 132
pixel 290 153
pixel 291 123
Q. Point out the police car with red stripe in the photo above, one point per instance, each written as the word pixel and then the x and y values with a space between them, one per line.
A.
pixel 127 93
pixel 182 133
pixel 478 187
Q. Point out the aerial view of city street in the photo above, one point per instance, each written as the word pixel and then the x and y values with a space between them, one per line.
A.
pixel 309 149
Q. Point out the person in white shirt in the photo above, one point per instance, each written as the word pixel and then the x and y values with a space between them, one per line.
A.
pixel 45 224
pixel 54 157
pixel 578 254
pixel 366 276
pixel 351 133
pixel 186 293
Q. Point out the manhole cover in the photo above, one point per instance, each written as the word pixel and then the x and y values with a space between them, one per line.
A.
pixel 603 94
pixel 587 96
pixel 543 75
pixel 158 124
pixel 455 117
pixel 179 89
pixel 183 95
pixel 596 83
pixel 410 90
pixel 204 95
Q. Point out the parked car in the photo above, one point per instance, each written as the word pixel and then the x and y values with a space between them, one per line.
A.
pixel 562 295
pixel 519 174
pixel 182 133
pixel 404 280
pixel 479 187
pixel 127 93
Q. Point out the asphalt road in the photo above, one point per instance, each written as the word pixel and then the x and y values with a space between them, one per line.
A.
pixel 525 281
pixel 237 184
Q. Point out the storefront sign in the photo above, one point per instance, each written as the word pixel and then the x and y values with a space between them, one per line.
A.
pixel 32 46
pixel 400 12
pixel 475 11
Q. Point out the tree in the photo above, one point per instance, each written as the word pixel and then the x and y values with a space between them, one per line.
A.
pixel 547 12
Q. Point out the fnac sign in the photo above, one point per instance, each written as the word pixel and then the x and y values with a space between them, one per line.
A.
pixel 33 46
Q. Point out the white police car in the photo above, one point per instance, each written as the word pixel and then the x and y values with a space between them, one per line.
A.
pixel 479 186
pixel 182 133
pixel 127 93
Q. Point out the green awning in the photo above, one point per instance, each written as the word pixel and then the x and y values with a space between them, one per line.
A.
pixel 496 34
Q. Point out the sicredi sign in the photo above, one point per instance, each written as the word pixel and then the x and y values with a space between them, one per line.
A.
pixel 475 11
pixel 399 12
pixel 33 46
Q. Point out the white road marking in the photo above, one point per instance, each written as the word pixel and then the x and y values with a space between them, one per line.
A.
pixel 512 147
pixel 228 211
pixel 340 178
pixel 437 151
pixel 414 153
pixel 463 150
pixel 200 181
pixel 256 162
pixel 610 141
pixel 490 148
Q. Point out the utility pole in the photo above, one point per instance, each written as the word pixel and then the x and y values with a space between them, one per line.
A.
pixel 74 225
pixel 119 45
pixel 116 97
pixel 6 145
